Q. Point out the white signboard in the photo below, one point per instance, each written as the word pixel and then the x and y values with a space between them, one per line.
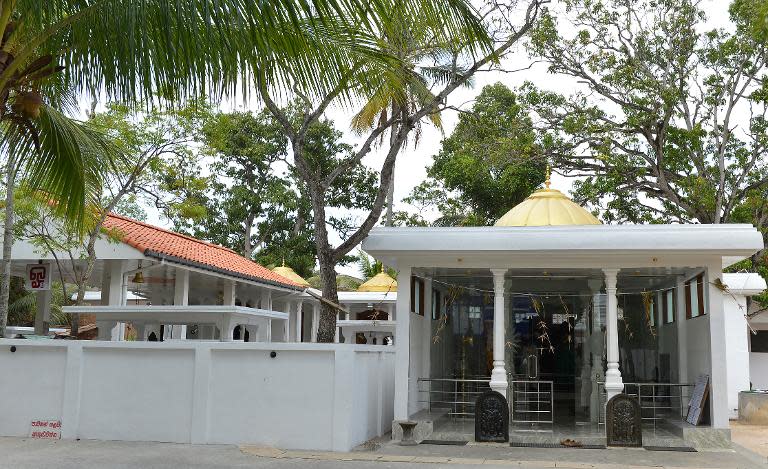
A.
pixel 45 429
pixel 38 277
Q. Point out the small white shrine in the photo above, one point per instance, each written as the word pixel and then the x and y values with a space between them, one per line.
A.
pixel 550 306
pixel 192 290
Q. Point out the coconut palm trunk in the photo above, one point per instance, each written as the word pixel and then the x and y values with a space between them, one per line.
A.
pixel 388 220
pixel 5 263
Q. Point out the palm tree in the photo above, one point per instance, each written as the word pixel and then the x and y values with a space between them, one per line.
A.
pixel 413 44
pixel 131 50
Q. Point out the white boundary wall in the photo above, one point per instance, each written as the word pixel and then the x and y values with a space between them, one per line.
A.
pixel 310 396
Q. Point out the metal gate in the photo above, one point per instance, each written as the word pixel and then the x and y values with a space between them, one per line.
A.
pixel 531 401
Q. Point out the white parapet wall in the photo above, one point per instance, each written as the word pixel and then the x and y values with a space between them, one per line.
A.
pixel 308 396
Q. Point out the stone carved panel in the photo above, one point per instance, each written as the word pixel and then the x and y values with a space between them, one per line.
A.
pixel 623 421
pixel 492 418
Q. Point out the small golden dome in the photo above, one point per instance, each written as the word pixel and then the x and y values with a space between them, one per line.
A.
pixel 289 273
pixel 380 282
pixel 547 207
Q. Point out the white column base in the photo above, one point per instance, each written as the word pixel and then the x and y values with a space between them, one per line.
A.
pixel 499 379
pixel 613 383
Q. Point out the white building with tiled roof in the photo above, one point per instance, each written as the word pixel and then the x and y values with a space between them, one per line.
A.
pixel 193 289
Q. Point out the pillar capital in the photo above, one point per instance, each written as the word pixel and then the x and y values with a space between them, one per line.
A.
pixel 498 279
pixel 610 278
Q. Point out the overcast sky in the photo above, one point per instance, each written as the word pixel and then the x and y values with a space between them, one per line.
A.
pixel 412 162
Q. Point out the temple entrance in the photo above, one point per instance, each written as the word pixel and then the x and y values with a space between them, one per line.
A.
pixel 547 337
pixel 555 351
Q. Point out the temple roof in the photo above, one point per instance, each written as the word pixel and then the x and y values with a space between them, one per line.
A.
pixel 547 207
pixel 290 274
pixel 380 282
pixel 159 243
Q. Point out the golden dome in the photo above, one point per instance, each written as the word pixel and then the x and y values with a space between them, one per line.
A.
pixel 380 282
pixel 547 207
pixel 289 273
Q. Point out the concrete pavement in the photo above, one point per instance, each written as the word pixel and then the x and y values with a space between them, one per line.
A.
pixel 24 453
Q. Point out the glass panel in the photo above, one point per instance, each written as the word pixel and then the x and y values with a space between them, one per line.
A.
pixel 694 296
pixel 670 299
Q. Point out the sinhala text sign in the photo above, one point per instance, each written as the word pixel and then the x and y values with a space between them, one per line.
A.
pixel 45 429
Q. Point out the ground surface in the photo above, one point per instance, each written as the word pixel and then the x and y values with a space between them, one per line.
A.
pixel 22 453
pixel 752 437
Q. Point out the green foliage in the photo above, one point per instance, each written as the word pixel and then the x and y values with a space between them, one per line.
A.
pixel 672 123
pixel 22 306
pixel 133 49
pixel 254 203
pixel 370 267
pixel 343 282
pixel 157 162
pixel 59 156
pixel 489 164
pixel 251 205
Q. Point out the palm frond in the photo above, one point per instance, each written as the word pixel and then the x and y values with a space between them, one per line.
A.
pixel 133 49
pixel 62 157
pixel 24 306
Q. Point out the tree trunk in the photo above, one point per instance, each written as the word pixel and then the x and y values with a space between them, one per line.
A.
pixel 5 268
pixel 74 319
pixel 247 247
pixel 390 201
pixel 326 329
pixel 391 192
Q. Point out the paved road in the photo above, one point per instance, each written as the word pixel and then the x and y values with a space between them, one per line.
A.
pixel 22 453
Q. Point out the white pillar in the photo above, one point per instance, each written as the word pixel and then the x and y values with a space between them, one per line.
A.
pixel 682 334
pixel 613 383
pixel 499 372
pixel 287 323
pixel 117 285
pixel 402 342
pixel 299 317
pixel 315 319
pixel 43 313
pixel 226 328
pixel 266 300
pixel 181 288
pixel 336 337
pixel 718 376
pixel 229 294
pixel 180 298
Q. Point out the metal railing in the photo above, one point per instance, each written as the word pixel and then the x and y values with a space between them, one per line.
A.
pixel 458 396
pixel 531 401
pixel 658 401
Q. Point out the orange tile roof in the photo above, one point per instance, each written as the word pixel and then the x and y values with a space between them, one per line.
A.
pixel 157 242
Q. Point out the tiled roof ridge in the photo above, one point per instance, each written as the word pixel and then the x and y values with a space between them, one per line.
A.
pixel 170 232
pixel 218 258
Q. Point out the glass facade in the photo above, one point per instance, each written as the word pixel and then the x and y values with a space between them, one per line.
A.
pixel 555 345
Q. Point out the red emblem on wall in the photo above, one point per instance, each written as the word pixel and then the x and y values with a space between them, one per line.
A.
pixel 37 277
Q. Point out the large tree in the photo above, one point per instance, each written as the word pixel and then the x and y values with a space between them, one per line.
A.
pixel 357 83
pixel 489 163
pixel 256 204
pixel 670 123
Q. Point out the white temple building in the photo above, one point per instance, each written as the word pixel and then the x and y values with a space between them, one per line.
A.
pixel 559 313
